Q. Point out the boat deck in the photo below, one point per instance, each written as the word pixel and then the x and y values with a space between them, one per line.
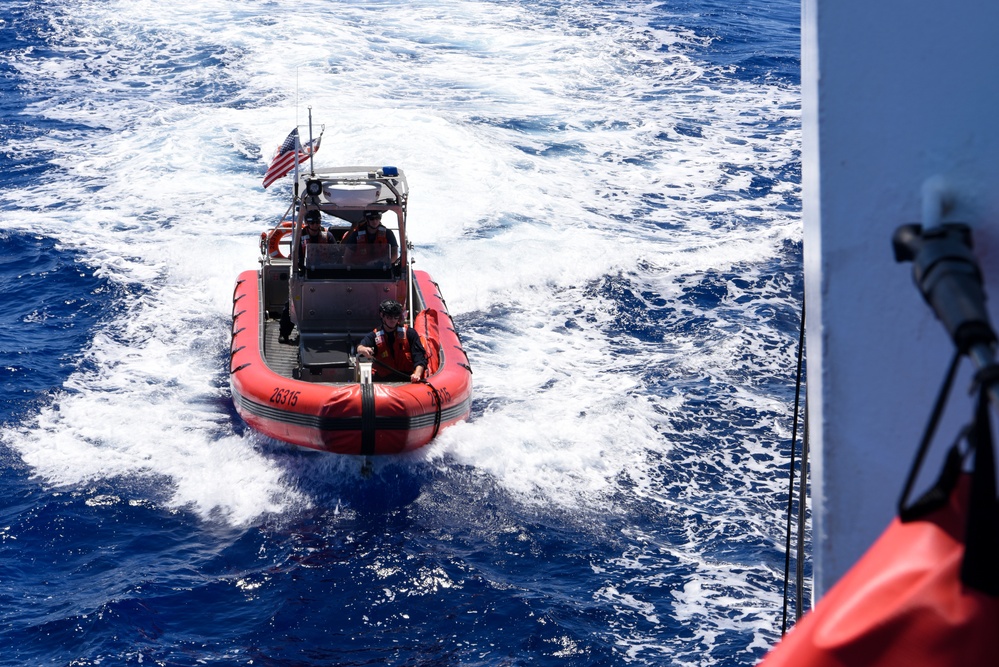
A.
pixel 282 358
pixel 327 359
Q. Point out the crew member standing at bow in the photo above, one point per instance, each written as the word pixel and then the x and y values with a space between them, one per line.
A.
pixel 396 348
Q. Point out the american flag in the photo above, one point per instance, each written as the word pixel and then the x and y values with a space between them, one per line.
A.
pixel 284 160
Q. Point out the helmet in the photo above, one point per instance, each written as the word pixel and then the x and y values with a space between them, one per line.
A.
pixel 371 215
pixel 313 216
pixel 390 307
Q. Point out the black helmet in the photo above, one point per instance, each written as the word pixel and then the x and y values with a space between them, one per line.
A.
pixel 370 215
pixel 313 216
pixel 390 307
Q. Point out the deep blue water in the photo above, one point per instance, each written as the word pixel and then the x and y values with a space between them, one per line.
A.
pixel 142 523
pixel 42 336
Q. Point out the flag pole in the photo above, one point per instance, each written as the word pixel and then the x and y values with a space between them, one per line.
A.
pixel 312 166
pixel 298 150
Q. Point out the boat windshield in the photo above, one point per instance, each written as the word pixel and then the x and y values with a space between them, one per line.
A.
pixel 347 256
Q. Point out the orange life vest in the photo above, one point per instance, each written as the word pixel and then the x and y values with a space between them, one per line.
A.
pixel 399 357
pixel 323 237
pixel 380 235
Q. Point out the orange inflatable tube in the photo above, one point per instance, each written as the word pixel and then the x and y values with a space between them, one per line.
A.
pixel 348 418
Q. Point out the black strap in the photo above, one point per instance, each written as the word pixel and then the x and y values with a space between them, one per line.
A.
pixel 938 495
pixel 980 566
pixel 986 377
pixel 980 569
pixel 439 403
pixel 367 419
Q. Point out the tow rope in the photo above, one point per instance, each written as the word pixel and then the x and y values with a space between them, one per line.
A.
pixel 437 414
pixel 799 570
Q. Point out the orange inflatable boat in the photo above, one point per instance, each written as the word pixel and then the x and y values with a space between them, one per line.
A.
pixel 310 388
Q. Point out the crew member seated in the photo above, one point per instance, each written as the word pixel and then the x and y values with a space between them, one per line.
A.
pixel 395 349
pixel 314 231
pixel 373 231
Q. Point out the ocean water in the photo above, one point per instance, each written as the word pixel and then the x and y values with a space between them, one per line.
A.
pixel 608 193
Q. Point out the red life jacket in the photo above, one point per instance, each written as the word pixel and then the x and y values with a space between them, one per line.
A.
pixel 398 356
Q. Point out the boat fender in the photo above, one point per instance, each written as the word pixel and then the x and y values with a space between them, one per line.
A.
pixel 426 325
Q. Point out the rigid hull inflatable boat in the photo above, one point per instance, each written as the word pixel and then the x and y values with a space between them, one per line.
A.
pixel 310 388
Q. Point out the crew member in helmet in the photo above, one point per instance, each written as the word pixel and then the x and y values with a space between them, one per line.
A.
pixel 373 231
pixel 396 348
